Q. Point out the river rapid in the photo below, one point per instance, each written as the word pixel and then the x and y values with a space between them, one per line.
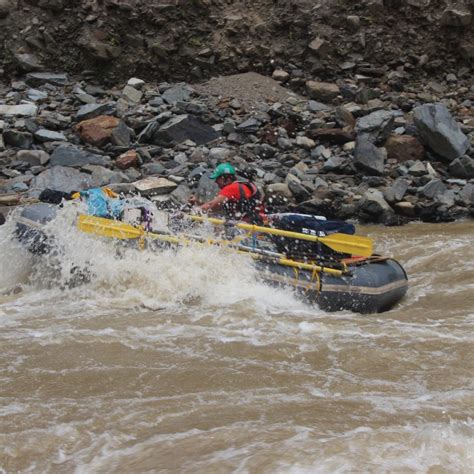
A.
pixel 184 362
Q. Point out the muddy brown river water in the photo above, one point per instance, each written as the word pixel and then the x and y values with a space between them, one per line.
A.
pixel 185 363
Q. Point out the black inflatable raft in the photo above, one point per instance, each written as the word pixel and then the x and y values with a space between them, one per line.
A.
pixel 369 285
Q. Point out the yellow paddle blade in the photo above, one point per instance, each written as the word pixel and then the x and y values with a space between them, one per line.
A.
pixel 118 230
pixel 345 243
pixel 108 228
pixel 351 244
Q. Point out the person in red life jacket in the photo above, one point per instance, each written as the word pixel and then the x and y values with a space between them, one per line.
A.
pixel 240 200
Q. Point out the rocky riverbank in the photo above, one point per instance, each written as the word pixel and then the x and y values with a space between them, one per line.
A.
pixel 344 150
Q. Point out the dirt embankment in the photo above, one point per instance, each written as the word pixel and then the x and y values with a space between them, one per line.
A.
pixel 404 40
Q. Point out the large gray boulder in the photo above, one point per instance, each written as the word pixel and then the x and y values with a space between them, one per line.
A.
pixel 439 131
pixel 61 179
pixel 103 176
pixel 72 156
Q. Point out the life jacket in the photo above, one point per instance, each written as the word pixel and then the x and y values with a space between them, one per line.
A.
pixel 246 208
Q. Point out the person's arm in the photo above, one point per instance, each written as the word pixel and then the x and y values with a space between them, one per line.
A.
pixel 214 204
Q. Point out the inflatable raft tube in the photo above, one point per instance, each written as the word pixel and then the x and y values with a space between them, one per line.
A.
pixel 29 227
pixel 372 286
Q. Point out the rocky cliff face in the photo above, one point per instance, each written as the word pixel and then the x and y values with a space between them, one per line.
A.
pixel 393 41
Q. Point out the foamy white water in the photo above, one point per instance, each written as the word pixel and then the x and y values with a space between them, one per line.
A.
pixel 185 362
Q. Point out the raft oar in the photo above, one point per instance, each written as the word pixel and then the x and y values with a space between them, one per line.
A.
pixel 121 230
pixel 117 230
pixel 345 243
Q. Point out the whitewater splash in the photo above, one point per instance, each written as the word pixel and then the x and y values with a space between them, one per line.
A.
pixel 83 263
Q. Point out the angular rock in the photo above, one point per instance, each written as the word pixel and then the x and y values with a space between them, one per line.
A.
pixel 35 79
pixel 399 188
pixel 334 164
pixel 35 95
pixel 467 194
pixel 433 189
pixel 220 154
pixel 377 125
pixel 320 47
pixel 440 132
pixel 314 106
pixel 338 136
pixel 374 204
pixel 177 93
pixel 323 91
pixel 153 186
pixel 103 177
pixel 278 193
pixel 33 157
pixel 97 131
pixel 147 134
pixel 121 135
pixel 22 110
pixel 43 135
pixel 136 83
pixel 89 111
pixel 296 188
pixel 462 167
pixel 61 179
pixel 75 157
pixel 404 148
pixel 182 128
pixel 127 160
pixel 305 142
pixel 417 169
pixel 344 118
pixel 132 95
pixel 149 169
pixel 16 139
pixel 250 125
pixel 280 75
pixel 368 158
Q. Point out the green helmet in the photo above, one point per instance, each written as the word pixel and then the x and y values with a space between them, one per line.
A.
pixel 222 169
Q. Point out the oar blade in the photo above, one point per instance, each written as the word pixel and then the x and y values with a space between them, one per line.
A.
pixel 107 228
pixel 351 244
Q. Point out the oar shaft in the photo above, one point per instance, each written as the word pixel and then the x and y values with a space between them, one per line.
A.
pixel 351 244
